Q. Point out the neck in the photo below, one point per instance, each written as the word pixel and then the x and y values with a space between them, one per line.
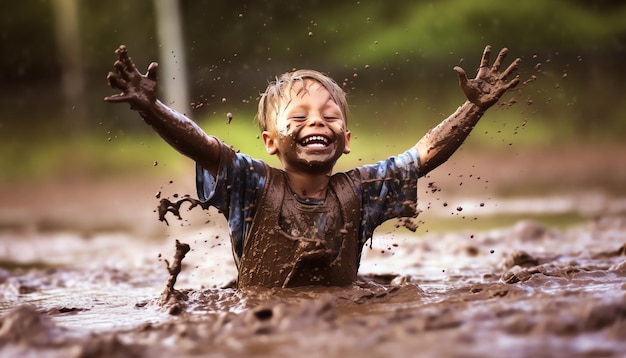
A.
pixel 308 185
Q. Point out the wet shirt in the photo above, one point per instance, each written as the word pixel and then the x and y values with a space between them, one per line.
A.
pixel 311 219
pixel 387 189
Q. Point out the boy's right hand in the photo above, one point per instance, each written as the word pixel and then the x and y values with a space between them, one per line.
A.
pixel 137 89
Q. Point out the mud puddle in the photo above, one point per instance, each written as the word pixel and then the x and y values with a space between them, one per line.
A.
pixel 523 290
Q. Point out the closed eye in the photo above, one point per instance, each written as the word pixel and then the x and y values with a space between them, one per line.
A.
pixel 332 116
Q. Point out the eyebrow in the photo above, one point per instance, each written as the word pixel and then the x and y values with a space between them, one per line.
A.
pixel 329 103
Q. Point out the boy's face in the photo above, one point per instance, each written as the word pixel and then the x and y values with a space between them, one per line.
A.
pixel 309 133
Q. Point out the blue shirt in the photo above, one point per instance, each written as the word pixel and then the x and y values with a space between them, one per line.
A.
pixel 387 189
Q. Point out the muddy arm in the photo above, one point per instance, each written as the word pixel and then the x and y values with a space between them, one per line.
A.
pixel 140 91
pixel 482 92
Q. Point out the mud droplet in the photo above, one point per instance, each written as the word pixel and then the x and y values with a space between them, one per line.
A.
pixel 229 117
pixel 155 163
pixel 459 208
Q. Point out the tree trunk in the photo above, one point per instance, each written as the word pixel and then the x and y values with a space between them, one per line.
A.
pixel 172 63
pixel 67 36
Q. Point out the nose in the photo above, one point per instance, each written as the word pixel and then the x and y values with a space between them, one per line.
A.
pixel 316 120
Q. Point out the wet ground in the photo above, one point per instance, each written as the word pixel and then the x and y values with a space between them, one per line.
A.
pixel 82 270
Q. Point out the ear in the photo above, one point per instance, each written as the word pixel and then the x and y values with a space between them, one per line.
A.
pixel 346 149
pixel 270 142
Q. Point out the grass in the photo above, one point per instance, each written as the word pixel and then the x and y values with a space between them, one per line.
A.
pixel 87 154
pixel 483 223
pixel 380 127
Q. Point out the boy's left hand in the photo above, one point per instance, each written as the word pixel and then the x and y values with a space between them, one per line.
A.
pixel 489 84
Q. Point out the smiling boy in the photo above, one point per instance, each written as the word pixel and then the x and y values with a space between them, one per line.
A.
pixel 303 224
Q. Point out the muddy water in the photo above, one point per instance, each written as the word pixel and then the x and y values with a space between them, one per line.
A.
pixel 523 290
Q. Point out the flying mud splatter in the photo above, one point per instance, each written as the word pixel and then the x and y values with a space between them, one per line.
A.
pixel 165 206
pixel 172 298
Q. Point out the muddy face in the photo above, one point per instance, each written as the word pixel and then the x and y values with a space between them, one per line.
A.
pixel 309 133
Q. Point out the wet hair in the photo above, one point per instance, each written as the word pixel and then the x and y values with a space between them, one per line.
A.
pixel 281 89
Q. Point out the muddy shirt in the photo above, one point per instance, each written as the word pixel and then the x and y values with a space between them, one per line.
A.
pixel 387 189
pixel 310 218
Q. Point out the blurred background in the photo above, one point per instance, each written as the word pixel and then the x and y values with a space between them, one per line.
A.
pixel 80 178
pixel 563 127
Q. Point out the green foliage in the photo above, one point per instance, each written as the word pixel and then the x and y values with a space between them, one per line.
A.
pixel 92 155
pixel 349 34
pixel 431 30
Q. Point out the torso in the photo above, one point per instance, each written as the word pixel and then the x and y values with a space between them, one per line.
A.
pixel 298 242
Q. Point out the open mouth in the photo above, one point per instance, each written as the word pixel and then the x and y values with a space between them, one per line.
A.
pixel 315 141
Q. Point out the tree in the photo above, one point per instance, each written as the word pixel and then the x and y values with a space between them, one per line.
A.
pixel 172 70
pixel 69 52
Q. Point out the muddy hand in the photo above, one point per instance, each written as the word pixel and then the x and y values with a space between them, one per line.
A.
pixel 489 84
pixel 137 89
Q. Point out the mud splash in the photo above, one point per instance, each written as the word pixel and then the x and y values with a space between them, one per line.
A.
pixel 171 297
pixel 167 206
pixel 527 290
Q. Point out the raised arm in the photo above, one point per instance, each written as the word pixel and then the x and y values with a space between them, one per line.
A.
pixel 482 92
pixel 140 91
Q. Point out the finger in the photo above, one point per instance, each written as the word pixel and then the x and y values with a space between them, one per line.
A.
pixel 122 56
pixel 486 54
pixel 462 76
pixel 498 62
pixel 152 71
pixel 512 67
pixel 116 98
pixel 116 82
pixel 512 83
pixel 121 52
pixel 120 69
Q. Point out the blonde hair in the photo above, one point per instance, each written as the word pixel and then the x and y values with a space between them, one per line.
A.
pixel 281 89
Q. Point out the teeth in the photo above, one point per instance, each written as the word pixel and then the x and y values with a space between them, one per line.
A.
pixel 315 139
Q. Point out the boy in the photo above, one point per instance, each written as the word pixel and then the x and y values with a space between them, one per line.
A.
pixel 304 225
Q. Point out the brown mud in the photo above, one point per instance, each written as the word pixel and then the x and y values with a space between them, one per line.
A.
pixel 79 288
pixel 171 297
pixel 523 291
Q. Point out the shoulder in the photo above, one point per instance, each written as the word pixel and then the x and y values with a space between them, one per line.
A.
pixel 233 160
pixel 404 164
pixel 349 180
